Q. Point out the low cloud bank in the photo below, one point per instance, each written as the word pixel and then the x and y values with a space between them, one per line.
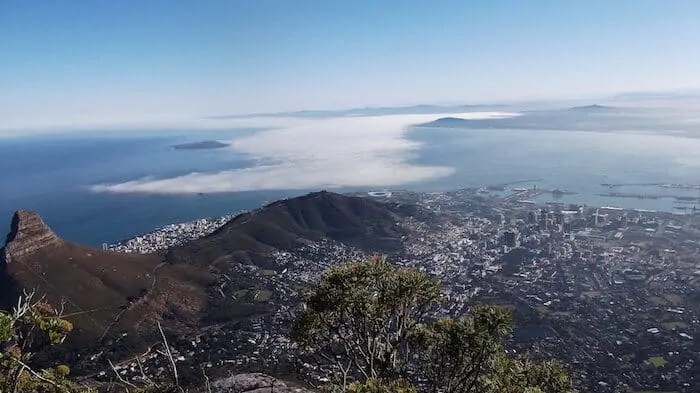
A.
pixel 325 153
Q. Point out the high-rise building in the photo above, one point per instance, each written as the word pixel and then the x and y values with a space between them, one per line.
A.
pixel 544 220
pixel 532 217
pixel 559 219
pixel 567 227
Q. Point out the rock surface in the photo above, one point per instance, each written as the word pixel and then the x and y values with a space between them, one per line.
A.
pixel 253 383
pixel 28 234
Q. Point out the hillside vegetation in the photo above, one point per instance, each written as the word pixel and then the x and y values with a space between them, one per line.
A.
pixel 368 324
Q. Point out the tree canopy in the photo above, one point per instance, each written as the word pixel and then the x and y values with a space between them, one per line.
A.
pixel 376 325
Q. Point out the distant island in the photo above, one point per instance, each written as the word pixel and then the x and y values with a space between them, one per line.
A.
pixel 451 122
pixel 202 145
pixel 592 108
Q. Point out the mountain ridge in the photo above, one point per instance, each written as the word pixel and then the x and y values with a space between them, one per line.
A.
pixel 578 118
pixel 108 293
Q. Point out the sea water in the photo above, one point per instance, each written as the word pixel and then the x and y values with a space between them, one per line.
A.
pixel 52 175
pixel 576 161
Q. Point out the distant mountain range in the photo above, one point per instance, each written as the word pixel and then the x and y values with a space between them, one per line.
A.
pixel 108 293
pixel 578 118
pixel 374 111
pixel 544 105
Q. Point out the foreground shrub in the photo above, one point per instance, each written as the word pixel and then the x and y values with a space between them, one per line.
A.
pixel 370 322
pixel 31 326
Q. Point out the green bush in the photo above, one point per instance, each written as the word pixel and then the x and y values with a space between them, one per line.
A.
pixel 379 386
pixel 31 326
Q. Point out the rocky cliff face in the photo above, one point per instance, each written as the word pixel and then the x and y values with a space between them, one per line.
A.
pixel 28 235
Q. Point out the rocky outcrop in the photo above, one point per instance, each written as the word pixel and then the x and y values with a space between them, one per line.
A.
pixel 253 383
pixel 28 235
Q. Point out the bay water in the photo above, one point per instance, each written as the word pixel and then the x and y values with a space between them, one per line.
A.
pixel 53 174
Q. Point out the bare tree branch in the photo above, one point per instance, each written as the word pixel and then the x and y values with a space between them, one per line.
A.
pixel 170 356
pixel 119 377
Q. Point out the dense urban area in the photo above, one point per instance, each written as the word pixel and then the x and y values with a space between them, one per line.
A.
pixel 612 293
pixel 169 236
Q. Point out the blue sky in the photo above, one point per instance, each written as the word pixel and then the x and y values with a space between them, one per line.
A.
pixel 105 61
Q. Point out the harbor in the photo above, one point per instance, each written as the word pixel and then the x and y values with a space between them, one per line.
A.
pixel 523 194
pixel 678 198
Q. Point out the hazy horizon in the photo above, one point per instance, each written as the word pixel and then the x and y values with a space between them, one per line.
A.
pixel 106 65
pixel 685 103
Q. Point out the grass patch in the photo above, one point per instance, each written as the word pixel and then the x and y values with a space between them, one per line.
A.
pixel 673 299
pixel 591 294
pixel 268 272
pixel 657 361
pixel 239 294
pixel 262 295
pixel 543 310
pixel 674 325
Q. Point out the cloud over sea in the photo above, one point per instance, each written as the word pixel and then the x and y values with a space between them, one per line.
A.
pixel 311 154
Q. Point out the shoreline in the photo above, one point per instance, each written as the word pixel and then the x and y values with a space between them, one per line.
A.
pixel 199 228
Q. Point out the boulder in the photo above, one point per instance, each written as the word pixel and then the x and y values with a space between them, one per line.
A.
pixel 253 383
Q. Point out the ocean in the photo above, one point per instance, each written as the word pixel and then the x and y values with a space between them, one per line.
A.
pixel 56 175
pixel 577 161
pixel 52 175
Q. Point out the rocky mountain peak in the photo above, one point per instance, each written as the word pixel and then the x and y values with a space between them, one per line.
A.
pixel 28 234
